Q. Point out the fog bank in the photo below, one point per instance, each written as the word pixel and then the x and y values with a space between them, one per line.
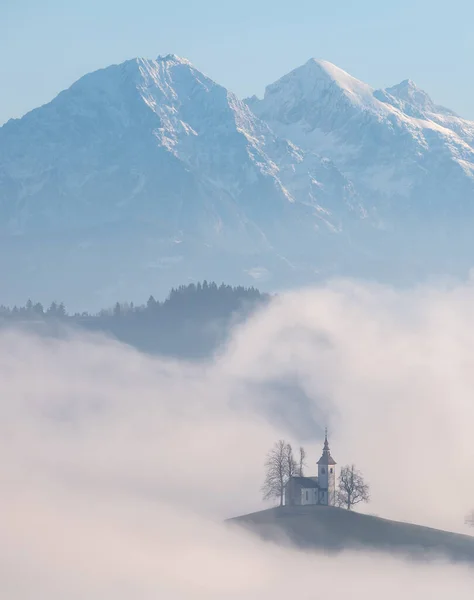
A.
pixel 118 468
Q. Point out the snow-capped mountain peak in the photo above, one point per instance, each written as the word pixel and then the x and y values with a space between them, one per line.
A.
pixel 415 103
pixel 318 80
pixel 412 100
pixel 386 141
pixel 154 151
pixel 173 59
pixel 407 90
pixel 354 88
pixel 128 118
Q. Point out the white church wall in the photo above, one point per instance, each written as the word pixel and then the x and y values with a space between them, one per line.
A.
pixel 331 486
pixel 309 496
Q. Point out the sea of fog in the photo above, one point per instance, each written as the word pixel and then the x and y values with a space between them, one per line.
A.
pixel 118 468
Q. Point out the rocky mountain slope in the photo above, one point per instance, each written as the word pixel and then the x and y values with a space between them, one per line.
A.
pixel 146 174
pixel 156 140
pixel 405 155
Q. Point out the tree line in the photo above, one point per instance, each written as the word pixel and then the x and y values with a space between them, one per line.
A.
pixel 206 298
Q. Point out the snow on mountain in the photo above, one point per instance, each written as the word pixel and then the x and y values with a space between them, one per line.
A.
pixel 413 96
pixel 413 101
pixel 400 150
pixel 149 172
pixel 155 153
pixel 152 139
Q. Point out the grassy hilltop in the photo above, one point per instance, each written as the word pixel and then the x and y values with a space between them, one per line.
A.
pixel 335 529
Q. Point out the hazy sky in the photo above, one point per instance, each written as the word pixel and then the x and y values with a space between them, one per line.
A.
pixel 45 45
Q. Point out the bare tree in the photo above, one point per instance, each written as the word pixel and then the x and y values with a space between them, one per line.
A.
pixel 352 488
pixel 291 464
pixel 279 467
pixel 302 462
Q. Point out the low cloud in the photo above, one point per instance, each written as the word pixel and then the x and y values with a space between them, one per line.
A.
pixel 118 468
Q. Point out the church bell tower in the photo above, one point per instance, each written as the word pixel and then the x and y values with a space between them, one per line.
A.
pixel 327 476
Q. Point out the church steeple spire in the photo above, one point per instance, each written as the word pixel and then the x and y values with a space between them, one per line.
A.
pixel 326 458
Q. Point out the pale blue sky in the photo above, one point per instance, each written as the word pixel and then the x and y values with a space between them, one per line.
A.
pixel 45 45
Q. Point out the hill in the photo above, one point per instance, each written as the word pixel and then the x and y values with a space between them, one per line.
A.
pixel 191 322
pixel 335 529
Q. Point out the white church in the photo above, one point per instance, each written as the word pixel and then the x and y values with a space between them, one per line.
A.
pixel 320 489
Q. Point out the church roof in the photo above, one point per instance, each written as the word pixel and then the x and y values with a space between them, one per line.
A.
pixel 306 482
pixel 326 458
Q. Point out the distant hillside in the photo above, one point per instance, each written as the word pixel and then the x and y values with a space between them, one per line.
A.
pixel 191 322
pixel 335 529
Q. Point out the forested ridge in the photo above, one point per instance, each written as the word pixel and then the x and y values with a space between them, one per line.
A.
pixel 191 321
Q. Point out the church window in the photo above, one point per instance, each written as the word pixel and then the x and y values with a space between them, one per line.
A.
pixel 330 470
pixel 323 471
pixel 307 497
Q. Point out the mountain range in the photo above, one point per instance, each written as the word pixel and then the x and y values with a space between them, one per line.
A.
pixel 148 174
